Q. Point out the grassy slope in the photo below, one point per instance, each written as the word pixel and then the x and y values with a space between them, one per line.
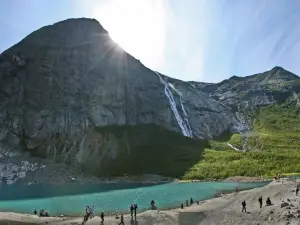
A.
pixel 277 149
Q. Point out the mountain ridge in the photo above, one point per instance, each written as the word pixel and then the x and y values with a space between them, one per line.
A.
pixel 70 94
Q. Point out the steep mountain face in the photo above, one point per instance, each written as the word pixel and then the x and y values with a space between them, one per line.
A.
pixel 69 93
pixel 62 81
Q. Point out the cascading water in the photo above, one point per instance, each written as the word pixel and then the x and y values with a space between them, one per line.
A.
pixel 182 108
pixel 183 124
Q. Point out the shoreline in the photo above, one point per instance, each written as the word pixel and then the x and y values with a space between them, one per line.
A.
pixel 217 194
pixel 225 209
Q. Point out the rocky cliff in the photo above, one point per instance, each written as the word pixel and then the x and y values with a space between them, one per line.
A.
pixel 70 94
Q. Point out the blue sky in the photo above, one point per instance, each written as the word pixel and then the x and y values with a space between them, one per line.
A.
pixel 202 40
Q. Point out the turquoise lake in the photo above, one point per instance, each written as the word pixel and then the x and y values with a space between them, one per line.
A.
pixel 72 199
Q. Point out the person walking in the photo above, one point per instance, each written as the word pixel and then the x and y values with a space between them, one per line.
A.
pixel 260 200
pixel 297 190
pixel 102 217
pixel 122 220
pixel 244 206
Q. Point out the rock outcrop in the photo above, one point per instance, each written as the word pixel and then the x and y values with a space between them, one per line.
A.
pixel 64 83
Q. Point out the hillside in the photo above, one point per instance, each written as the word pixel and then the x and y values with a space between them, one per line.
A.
pixel 70 96
pixel 274 148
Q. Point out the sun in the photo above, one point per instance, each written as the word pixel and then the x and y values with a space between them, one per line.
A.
pixel 138 26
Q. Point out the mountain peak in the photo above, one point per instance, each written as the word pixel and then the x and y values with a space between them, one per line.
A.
pixel 278 68
pixel 76 23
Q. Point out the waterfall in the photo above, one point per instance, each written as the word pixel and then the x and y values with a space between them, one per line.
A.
pixel 183 109
pixel 183 124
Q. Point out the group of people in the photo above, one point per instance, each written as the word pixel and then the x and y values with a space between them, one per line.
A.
pixel 260 201
pixel 133 209
pixel 42 213
pixel 187 203
pixel 90 213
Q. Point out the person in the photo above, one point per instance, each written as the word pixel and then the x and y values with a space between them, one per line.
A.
pixel 297 191
pixel 244 206
pixel 152 203
pixel 102 217
pixel 122 219
pixel 135 208
pixel 181 206
pixel 260 200
pixel 268 202
pixel 35 212
pixel 92 210
pixel 187 203
pixel 46 214
pixel 41 213
pixel 192 201
pixel 131 210
pixel 87 213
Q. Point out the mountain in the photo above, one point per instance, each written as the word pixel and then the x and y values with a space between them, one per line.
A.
pixel 68 93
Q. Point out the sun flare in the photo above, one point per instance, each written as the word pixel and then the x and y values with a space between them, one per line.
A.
pixel 137 26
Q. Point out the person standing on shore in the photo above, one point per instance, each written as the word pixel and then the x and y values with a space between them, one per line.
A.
pixel 131 210
pixel 135 208
pixel 92 212
pixel 192 201
pixel 260 200
pixel 244 206
pixel 297 190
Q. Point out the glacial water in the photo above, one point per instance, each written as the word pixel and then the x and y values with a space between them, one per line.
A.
pixel 71 199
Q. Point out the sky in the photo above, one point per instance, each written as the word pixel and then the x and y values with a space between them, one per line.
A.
pixel 199 40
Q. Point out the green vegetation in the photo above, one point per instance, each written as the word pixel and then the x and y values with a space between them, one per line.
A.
pixel 275 148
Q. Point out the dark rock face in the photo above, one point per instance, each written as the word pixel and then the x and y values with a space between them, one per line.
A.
pixel 63 81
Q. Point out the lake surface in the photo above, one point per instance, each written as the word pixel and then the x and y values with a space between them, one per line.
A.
pixel 72 199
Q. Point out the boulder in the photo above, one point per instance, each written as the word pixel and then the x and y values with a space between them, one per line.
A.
pixel 284 204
